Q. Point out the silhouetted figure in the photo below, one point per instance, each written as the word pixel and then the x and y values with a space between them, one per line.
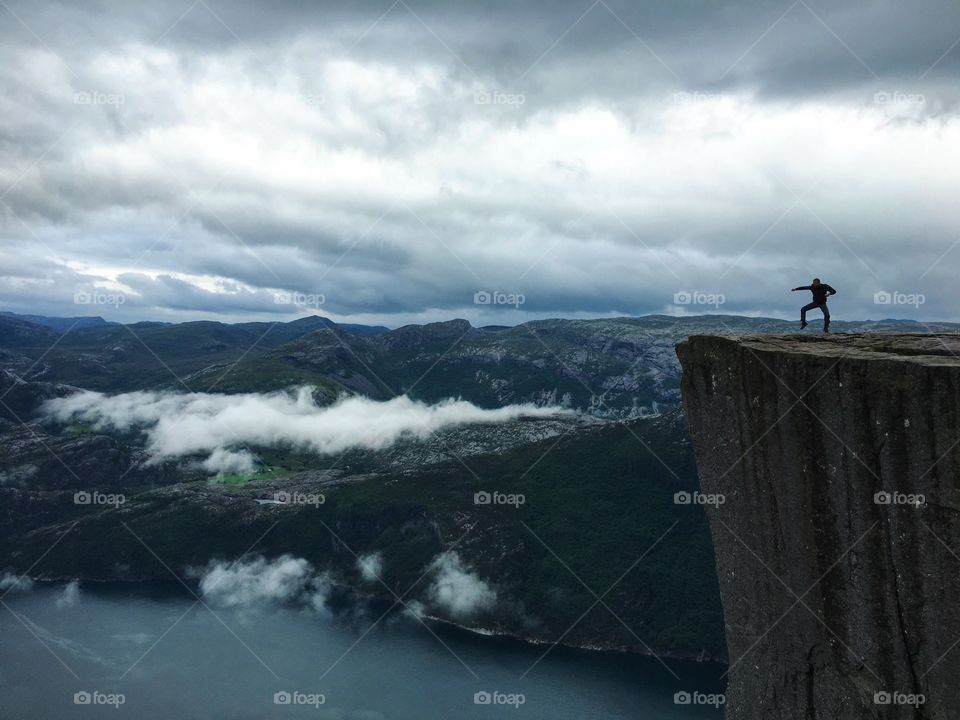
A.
pixel 821 291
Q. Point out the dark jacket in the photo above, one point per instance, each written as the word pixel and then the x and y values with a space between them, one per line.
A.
pixel 820 293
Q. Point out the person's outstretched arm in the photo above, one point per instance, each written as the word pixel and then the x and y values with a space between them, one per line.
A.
pixel 802 287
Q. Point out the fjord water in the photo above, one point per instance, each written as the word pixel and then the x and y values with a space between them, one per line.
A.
pixel 171 657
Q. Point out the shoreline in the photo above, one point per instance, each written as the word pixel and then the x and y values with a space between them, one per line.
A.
pixel 178 588
pixel 701 657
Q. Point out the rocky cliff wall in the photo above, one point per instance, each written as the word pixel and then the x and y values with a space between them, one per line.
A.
pixel 830 466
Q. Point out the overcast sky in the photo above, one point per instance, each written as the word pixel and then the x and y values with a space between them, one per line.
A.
pixel 379 162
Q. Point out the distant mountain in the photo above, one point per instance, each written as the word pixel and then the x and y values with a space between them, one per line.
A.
pixel 285 332
pixel 117 357
pixel 363 329
pixel 17 333
pixel 617 367
pixel 58 323
pixel 609 367
pixel 312 322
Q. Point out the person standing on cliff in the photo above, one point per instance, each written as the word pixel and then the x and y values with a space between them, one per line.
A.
pixel 821 291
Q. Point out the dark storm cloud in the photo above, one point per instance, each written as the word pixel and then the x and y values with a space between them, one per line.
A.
pixel 800 47
pixel 593 157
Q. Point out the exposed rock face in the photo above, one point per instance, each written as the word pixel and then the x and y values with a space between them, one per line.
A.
pixel 831 592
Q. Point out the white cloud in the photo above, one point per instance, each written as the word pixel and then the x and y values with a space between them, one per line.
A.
pixel 183 424
pixel 225 462
pixel 272 169
pixel 15 583
pixel 458 590
pixel 370 567
pixel 70 595
pixel 526 199
pixel 318 593
pixel 257 582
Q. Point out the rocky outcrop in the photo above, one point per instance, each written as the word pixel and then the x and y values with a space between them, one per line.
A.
pixel 832 464
pixel 20 399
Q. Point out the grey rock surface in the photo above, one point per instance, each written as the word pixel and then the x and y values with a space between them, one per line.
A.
pixel 838 538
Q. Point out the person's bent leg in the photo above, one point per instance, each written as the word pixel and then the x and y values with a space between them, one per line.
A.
pixel 804 309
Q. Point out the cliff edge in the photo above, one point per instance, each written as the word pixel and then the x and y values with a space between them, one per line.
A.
pixel 830 471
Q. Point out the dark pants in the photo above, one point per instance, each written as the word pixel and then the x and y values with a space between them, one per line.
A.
pixel 812 306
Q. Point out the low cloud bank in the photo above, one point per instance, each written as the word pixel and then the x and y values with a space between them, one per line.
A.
pixel 458 590
pixel 219 426
pixel 258 581
pixel 15 583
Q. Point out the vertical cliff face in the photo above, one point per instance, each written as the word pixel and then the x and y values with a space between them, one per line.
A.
pixel 836 465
